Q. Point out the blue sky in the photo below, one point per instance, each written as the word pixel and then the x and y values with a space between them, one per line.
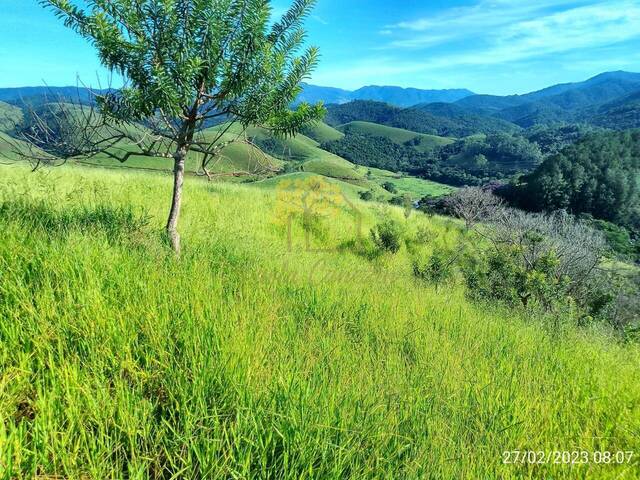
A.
pixel 489 46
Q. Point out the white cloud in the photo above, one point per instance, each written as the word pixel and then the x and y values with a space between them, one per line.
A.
pixel 507 30
pixel 522 36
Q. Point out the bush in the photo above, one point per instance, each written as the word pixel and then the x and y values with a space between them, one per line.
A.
pixel 389 187
pixel 367 195
pixel 388 235
pixel 437 268
pixel 501 275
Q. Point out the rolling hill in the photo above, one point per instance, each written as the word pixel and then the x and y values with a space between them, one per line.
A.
pixel 10 116
pixel 418 119
pixel 420 141
pixel 321 132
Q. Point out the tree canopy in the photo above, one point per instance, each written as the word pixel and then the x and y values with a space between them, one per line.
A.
pixel 187 63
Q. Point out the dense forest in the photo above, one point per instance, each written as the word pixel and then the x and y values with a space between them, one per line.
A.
pixel 469 161
pixel 599 175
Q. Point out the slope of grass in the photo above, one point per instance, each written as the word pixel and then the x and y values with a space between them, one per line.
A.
pixel 236 157
pixel 423 142
pixel 415 187
pixel 321 132
pixel 418 187
pixel 350 190
pixel 14 149
pixel 333 166
pixel 249 359
pixel 10 116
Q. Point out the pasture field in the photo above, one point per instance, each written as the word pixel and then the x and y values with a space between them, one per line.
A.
pixel 252 356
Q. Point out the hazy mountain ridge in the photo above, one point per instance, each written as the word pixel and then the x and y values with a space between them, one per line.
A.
pixel 572 102
pixel 398 96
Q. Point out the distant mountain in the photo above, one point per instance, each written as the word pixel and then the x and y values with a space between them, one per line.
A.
pixel 314 93
pixel 39 95
pixel 454 123
pixel 400 97
pixel 406 97
pixel 568 102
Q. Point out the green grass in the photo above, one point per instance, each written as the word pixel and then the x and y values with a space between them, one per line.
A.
pixel 10 116
pixel 235 157
pixel 12 148
pixel 397 135
pixel 245 359
pixel 350 190
pixel 321 132
pixel 416 188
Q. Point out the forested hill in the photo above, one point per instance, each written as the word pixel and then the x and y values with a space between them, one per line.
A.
pixel 608 99
pixel 418 119
pixel 599 175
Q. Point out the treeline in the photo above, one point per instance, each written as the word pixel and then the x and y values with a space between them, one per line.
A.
pixel 469 161
pixel 599 176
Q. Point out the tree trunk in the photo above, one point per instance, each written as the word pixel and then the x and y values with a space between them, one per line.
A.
pixel 176 201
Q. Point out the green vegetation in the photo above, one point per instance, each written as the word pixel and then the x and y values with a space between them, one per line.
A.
pixel 321 132
pixel 416 119
pixel 599 176
pixel 243 359
pixel 420 141
pixel 301 153
pixel 10 116
pixel 470 161
pixel 477 160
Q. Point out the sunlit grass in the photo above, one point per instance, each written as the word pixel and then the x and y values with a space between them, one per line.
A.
pixel 246 358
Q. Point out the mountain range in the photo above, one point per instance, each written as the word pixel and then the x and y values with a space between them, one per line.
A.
pixel 398 96
pixel 610 100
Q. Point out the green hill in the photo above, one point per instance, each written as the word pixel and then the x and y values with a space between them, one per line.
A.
pixel 11 148
pixel 321 132
pixel 253 356
pixel 10 116
pixel 418 119
pixel 422 142
pixel 304 154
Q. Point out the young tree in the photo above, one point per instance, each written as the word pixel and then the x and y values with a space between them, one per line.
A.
pixel 187 64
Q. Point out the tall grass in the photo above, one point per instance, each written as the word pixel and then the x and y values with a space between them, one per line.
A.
pixel 243 359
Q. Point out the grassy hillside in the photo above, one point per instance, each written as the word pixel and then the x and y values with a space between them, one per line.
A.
pixel 10 148
pixel 306 155
pixel 422 142
pixel 321 132
pixel 10 116
pixel 249 359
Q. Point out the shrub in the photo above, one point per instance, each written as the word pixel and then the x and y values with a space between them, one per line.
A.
pixel 388 235
pixel 501 275
pixel 367 195
pixel 550 261
pixel 389 187
pixel 436 268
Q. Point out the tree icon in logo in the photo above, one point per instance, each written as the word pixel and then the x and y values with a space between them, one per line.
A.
pixel 309 201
